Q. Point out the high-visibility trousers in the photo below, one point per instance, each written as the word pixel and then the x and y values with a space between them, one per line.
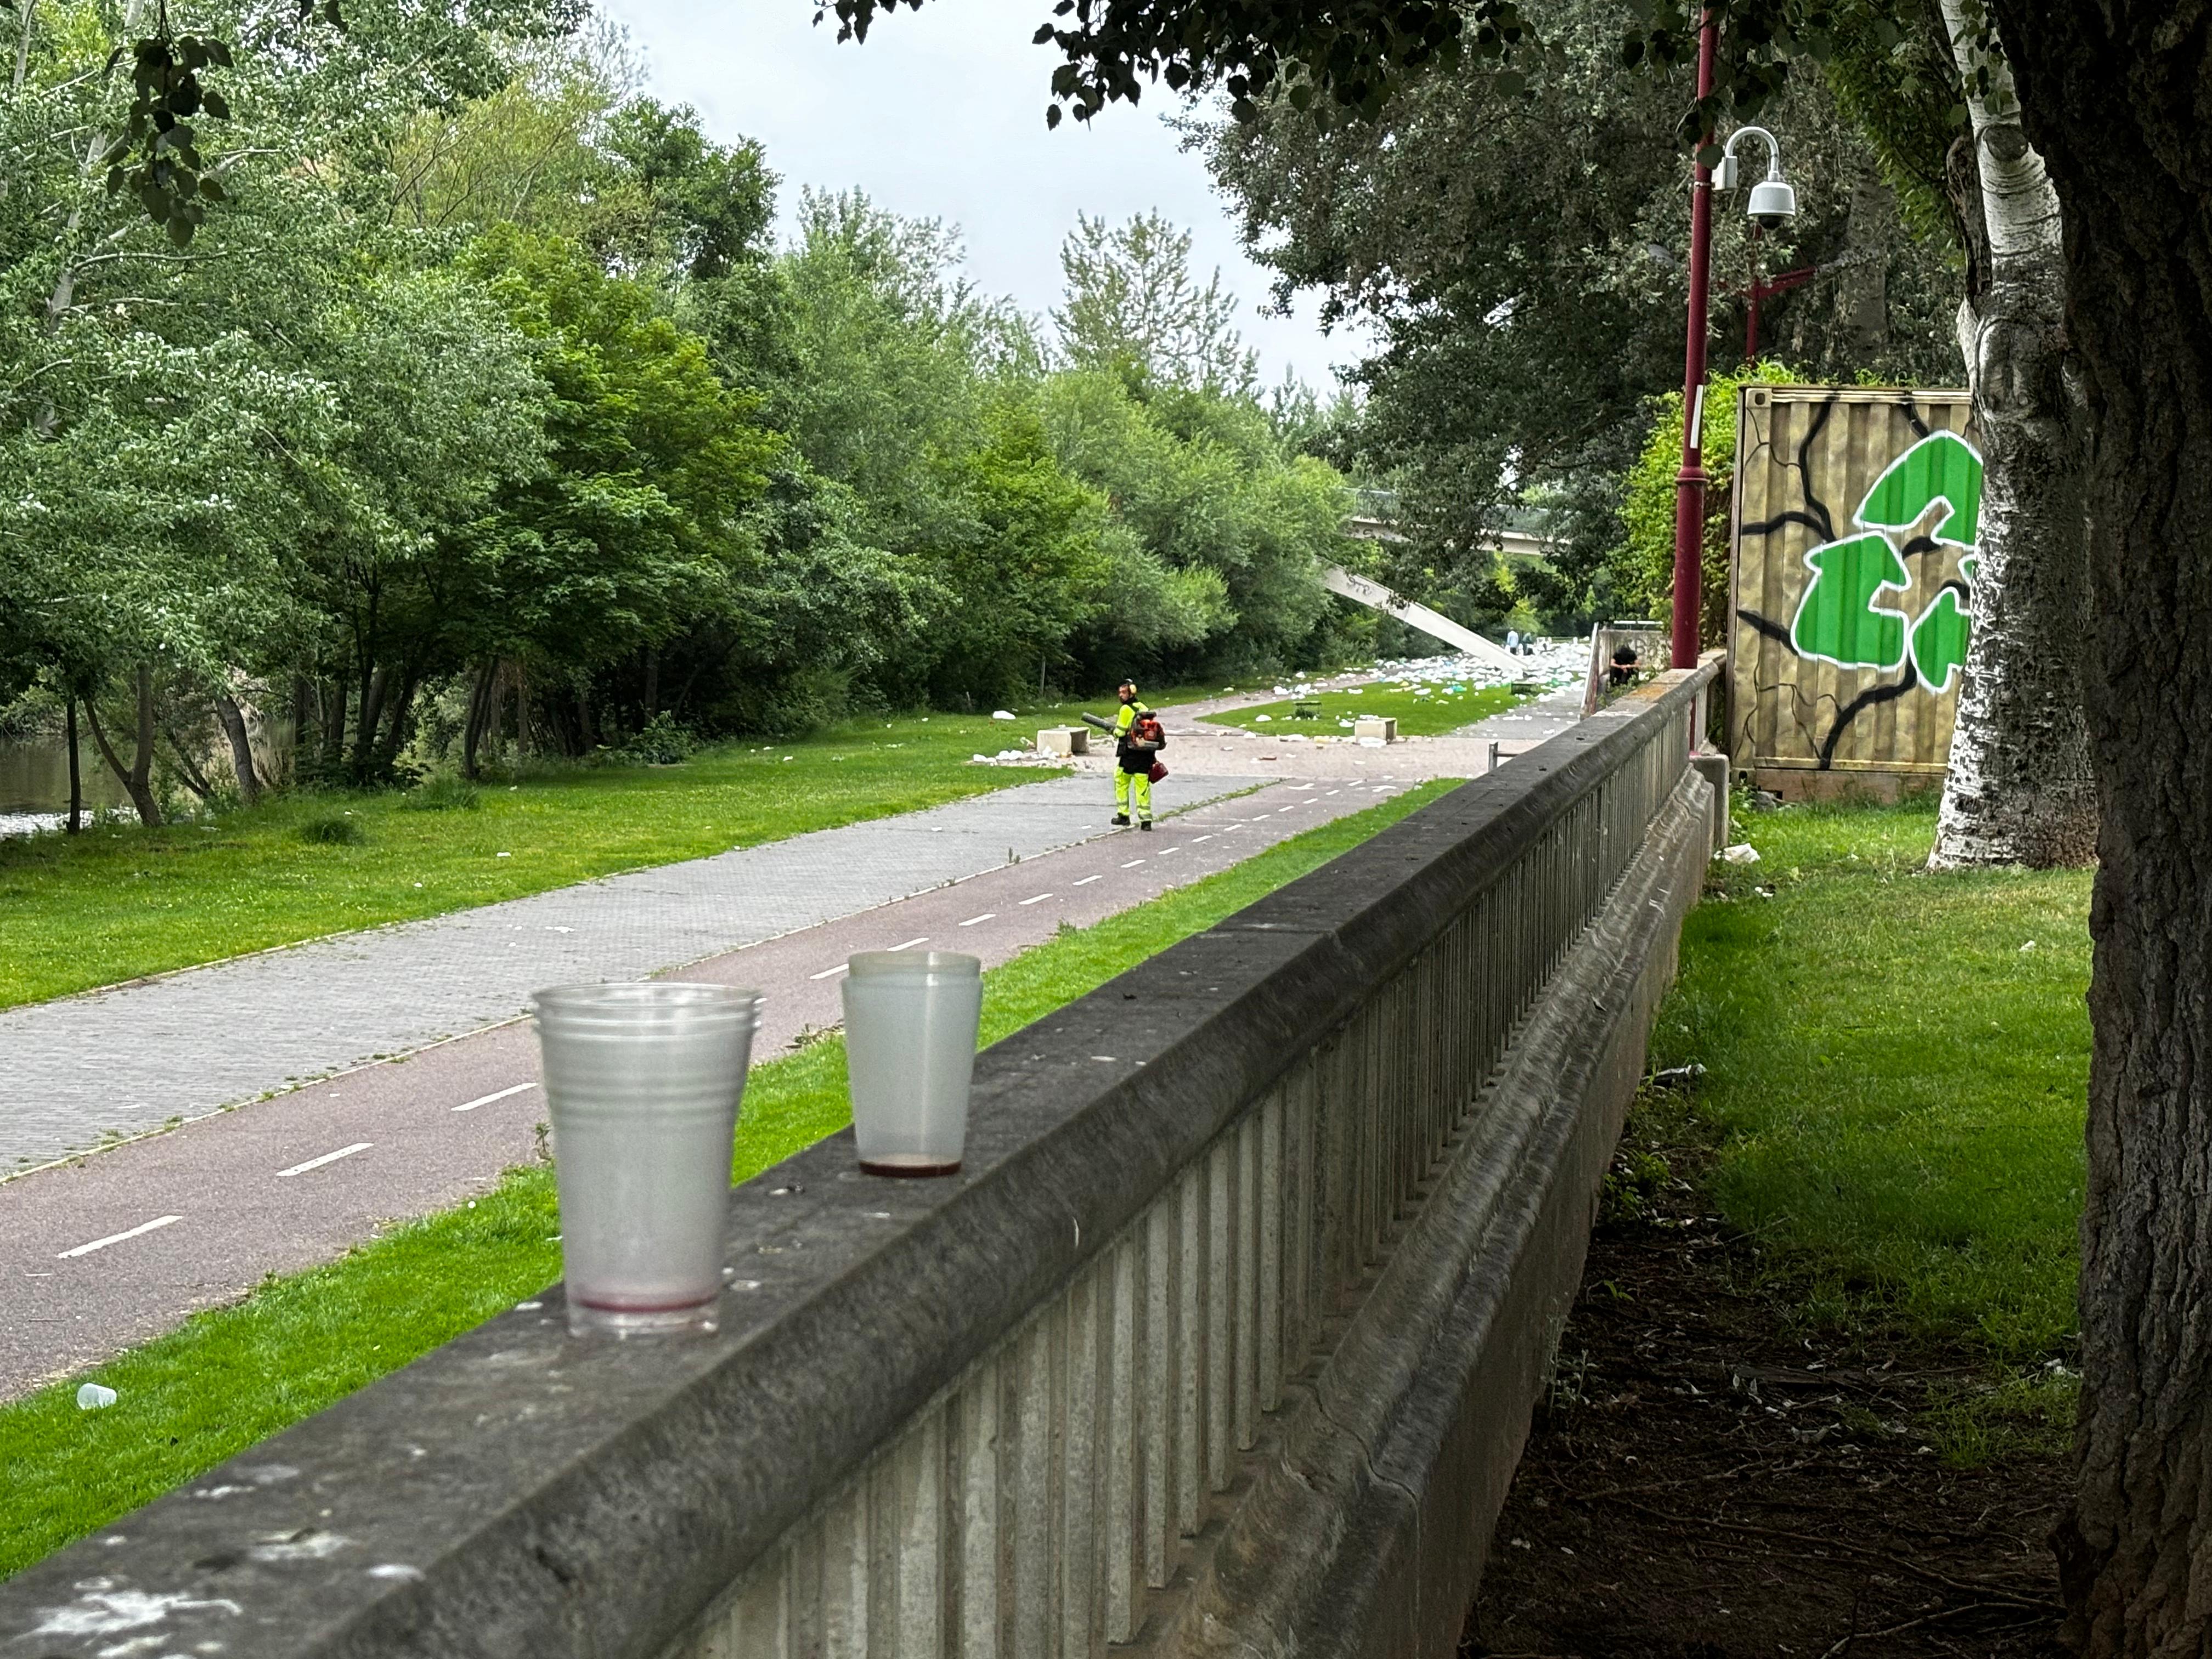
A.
pixel 1139 784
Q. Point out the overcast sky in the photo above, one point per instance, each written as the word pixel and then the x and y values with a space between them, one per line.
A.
pixel 941 115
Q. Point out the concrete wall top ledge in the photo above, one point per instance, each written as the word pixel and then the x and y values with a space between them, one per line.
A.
pixel 517 1492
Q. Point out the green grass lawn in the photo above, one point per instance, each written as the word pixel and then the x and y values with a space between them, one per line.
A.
pixel 1898 1062
pixel 118 901
pixel 236 1374
pixel 1441 710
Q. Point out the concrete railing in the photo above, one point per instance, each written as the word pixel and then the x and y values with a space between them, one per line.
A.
pixel 1226 1341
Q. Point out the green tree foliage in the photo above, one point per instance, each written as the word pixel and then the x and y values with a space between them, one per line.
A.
pixel 1521 248
pixel 1134 308
pixel 487 415
pixel 1220 527
pixel 1638 577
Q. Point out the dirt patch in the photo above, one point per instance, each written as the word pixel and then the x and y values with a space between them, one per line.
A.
pixel 1707 1481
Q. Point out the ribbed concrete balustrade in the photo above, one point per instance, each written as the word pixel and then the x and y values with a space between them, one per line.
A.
pixel 1226 1341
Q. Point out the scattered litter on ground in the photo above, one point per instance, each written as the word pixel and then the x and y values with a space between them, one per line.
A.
pixel 1678 1077
pixel 1742 852
pixel 91 1396
pixel 1002 713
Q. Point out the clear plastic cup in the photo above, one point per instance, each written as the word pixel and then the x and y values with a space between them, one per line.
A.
pixel 910 1023
pixel 642 1084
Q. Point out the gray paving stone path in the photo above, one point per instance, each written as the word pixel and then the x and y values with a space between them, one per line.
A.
pixel 130 1059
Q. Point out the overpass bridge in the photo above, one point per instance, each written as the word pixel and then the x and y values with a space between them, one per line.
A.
pixel 1224 1341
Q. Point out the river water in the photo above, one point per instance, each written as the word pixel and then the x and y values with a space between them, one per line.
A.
pixel 34 777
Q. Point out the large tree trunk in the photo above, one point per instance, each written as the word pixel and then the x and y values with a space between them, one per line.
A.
pixel 2019 790
pixel 2113 95
pixel 241 746
pixel 396 728
pixel 135 777
pixel 374 686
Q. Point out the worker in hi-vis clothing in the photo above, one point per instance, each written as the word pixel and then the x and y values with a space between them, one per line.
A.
pixel 1135 750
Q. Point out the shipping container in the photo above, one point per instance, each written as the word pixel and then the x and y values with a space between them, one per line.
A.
pixel 1851 566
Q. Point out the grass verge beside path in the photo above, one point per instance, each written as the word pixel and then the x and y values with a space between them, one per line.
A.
pixel 234 1375
pixel 1898 1065
pixel 1441 710
pixel 120 902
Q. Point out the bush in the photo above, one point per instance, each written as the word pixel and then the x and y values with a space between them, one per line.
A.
pixel 662 743
pixel 332 829
pixel 446 792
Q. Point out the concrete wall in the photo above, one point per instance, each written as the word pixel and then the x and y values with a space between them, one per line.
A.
pixel 1226 1341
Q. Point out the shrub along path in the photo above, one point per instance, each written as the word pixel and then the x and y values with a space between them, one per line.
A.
pixel 1816 1397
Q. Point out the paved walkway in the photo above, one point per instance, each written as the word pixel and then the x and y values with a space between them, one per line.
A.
pixel 133 1058
pixel 1231 750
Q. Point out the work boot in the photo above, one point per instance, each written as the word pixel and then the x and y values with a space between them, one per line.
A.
pixel 1147 824
pixel 1120 820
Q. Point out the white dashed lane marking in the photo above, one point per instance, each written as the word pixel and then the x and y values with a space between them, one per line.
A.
pixel 143 1227
pixel 827 972
pixel 486 1100
pixel 1132 864
pixel 1087 880
pixel 1039 899
pixel 911 943
pixel 327 1157
pixel 986 917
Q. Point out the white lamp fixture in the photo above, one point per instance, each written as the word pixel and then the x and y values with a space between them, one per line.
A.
pixel 1773 203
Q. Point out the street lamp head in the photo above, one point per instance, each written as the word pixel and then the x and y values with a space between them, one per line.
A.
pixel 1772 204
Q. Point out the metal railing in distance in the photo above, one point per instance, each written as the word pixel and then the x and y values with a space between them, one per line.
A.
pixel 1225 1340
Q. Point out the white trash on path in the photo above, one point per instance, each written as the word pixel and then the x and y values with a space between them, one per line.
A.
pixel 1742 852
pixel 91 1396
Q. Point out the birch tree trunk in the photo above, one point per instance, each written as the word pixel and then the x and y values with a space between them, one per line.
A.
pixel 2019 790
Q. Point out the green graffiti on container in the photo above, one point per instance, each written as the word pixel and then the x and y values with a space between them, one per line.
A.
pixel 1838 620
pixel 1941 467
pixel 1938 638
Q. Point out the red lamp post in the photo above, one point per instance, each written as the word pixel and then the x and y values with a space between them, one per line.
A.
pixel 1772 204
pixel 1690 482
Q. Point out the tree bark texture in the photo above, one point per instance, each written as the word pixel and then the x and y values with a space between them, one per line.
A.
pixel 134 777
pixel 375 686
pixel 1863 282
pixel 482 706
pixel 241 746
pixel 2019 789
pixel 187 769
pixel 334 722
pixel 76 776
pixel 2117 97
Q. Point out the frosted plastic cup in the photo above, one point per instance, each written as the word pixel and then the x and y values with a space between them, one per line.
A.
pixel 910 1023
pixel 642 1084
